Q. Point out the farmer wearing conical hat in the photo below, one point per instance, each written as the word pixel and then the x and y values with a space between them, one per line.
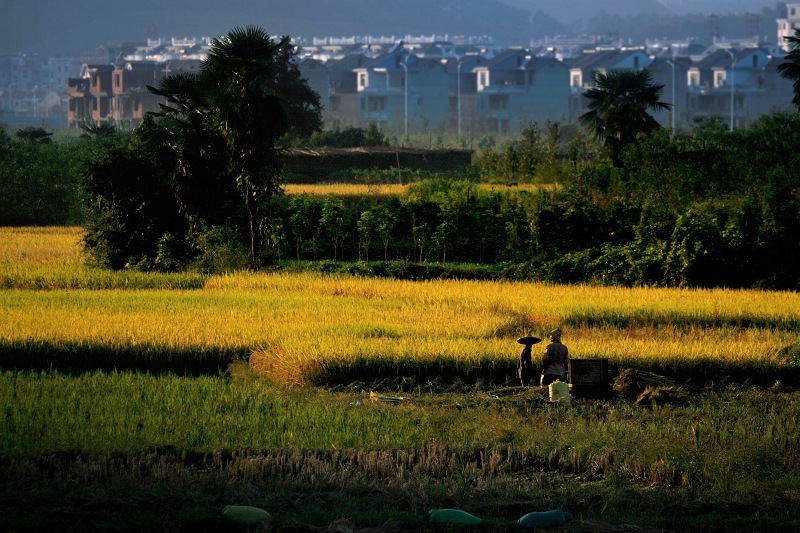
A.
pixel 525 371
pixel 555 360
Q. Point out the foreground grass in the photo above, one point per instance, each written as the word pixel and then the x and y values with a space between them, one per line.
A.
pixel 496 454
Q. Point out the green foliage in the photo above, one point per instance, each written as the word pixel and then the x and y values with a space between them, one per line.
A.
pixel 130 206
pixel 618 107
pixel 37 184
pixel 536 157
pixel 790 68
pixel 197 178
pixel 349 137
pixel 707 207
pixel 335 221
pixel 221 250
pixel 34 135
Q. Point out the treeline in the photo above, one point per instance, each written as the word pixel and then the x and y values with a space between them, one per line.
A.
pixel 38 182
pixel 706 208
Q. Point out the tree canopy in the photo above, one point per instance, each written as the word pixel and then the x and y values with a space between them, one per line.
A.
pixel 213 143
pixel 619 106
pixel 790 68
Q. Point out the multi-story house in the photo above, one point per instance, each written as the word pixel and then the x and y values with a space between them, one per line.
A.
pixel 341 109
pixel 316 74
pixel 671 73
pixel 516 88
pixel 787 26
pixel 119 93
pixel 90 95
pixel 404 92
pixel 463 92
pixel 33 89
pixel 432 85
pixel 582 70
pixel 736 85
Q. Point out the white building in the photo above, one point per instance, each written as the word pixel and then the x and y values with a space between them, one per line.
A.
pixel 786 26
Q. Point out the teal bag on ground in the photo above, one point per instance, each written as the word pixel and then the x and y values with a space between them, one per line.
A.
pixel 453 516
pixel 246 515
pixel 555 517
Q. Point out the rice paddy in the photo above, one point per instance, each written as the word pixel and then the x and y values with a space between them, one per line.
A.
pixel 390 189
pixel 302 328
pixel 266 388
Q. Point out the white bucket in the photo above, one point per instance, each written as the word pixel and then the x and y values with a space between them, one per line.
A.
pixel 559 393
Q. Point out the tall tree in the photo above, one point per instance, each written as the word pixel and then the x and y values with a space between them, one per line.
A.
pixel 184 139
pixel 223 125
pixel 248 113
pixel 790 68
pixel 618 108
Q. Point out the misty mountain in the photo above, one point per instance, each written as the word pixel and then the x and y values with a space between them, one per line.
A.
pixel 720 7
pixel 50 27
pixel 568 11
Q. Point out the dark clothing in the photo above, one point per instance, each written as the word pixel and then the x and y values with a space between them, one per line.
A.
pixel 547 379
pixel 555 362
pixel 525 370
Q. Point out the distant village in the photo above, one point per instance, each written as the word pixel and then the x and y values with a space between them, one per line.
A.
pixel 419 84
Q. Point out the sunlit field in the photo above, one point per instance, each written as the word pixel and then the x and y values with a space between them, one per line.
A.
pixel 151 401
pixel 310 328
pixel 392 189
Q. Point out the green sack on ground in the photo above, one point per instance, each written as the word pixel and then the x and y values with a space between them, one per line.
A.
pixel 555 517
pixel 246 515
pixel 453 516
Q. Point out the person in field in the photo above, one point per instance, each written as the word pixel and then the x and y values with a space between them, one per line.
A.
pixel 555 360
pixel 525 370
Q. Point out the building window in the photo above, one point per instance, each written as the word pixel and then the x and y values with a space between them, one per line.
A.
pixel 576 80
pixel 498 102
pixel 484 79
pixel 719 78
pixel 694 79
pixel 377 104
pixel 362 80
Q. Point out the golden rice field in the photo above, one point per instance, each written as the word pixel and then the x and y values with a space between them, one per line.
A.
pixel 389 189
pixel 299 325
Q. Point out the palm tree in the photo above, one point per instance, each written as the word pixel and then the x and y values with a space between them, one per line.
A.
pixel 185 141
pixel 618 108
pixel 250 116
pixel 790 69
pixel 223 124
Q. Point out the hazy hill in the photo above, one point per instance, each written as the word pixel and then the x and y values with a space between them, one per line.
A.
pixel 77 25
pixel 70 27
pixel 567 11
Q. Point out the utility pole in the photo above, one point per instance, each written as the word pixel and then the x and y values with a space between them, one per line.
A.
pixel 733 81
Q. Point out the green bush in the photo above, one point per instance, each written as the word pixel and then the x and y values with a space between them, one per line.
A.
pixel 221 250
pixel 37 185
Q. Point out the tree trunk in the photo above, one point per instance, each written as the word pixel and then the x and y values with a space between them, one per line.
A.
pixel 252 213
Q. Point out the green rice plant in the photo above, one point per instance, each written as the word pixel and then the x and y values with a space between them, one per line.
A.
pixel 733 443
